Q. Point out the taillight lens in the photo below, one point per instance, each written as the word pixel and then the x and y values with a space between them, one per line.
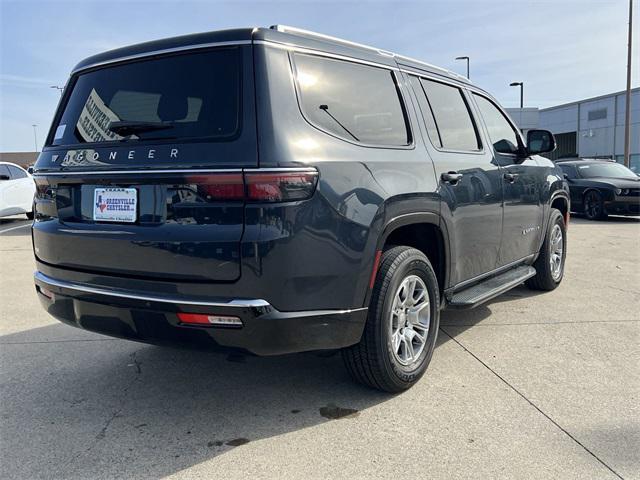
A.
pixel 219 186
pixel 280 186
pixel 257 186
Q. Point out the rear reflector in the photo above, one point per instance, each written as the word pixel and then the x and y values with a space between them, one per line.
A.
pixel 281 186
pixel 47 293
pixel 209 320
pixel 374 272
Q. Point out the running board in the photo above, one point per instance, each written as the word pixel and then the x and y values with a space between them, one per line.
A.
pixel 490 288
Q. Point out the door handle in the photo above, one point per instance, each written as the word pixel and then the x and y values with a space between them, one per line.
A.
pixel 510 177
pixel 451 177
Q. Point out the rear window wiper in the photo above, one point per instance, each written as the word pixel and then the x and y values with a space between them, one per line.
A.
pixel 129 128
pixel 325 109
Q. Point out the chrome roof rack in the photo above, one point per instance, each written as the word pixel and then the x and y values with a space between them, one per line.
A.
pixel 309 33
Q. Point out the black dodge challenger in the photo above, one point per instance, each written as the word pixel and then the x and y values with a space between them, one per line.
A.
pixel 600 187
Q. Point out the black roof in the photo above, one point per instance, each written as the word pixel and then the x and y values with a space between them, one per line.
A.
pixel 276 34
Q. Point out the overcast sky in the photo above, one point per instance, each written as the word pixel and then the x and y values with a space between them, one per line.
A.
pixel 563 50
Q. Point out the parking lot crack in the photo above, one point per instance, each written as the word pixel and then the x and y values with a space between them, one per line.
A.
pixel 115 414
pixel 519 393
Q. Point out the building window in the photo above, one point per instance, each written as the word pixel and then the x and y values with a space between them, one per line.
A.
pixel 598 114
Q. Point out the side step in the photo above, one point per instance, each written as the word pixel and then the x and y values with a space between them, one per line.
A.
pixel 491 287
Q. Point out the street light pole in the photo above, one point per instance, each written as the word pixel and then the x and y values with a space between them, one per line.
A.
pixel 35 137
pixel 467 59
pixel 627 113
pixel 60 89
pixel 521 85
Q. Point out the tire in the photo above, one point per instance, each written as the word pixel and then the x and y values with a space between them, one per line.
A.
pixel 29 215
pixel 549 274
pixel 383 358
pixel 594 206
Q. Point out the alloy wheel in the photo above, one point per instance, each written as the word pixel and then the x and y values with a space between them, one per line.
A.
pixel 410 319
pixel 556 245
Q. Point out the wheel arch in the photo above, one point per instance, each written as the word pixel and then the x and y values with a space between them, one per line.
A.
pixel 561 202
pixel 426 232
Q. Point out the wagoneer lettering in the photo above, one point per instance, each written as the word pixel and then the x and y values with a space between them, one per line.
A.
pixel 276 190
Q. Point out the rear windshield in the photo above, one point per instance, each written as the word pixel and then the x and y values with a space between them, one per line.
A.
pixel 194 95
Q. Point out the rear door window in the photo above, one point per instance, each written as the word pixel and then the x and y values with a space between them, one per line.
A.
pixel 353 101
pixel 449 108
pixel 184 96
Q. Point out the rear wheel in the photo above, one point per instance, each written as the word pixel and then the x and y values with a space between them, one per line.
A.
pixel 402 326
pixel 550 263
pixel 594 206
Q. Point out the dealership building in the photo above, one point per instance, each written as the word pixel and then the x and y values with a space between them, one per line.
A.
pixel 591 128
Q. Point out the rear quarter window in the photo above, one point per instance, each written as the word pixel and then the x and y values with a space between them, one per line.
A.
pixel 353 101
pixel 16 172
pixel 182 96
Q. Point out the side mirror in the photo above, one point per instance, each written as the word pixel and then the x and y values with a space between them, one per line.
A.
pixel 5 177
pixel 540 141
pixel 566 177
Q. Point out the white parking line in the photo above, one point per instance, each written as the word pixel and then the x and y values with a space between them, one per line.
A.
pixel 14 228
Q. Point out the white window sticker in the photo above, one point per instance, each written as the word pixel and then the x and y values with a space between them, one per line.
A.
pixel 60 131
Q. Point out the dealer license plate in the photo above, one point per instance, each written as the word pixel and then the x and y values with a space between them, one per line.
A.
pixel 115 205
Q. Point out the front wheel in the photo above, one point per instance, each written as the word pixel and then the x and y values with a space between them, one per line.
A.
pixel 402 326
pixel 550 263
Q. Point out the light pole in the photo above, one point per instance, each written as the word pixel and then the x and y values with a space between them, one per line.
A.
pixel 627 113
pixel 521 85
pixel 467 59
pixel 57 87
pixel 35 137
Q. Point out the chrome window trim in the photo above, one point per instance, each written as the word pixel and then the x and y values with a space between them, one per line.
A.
pixel 173 171
pixel 195 46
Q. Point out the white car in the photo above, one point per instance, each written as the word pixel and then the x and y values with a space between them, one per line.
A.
pixel 17 189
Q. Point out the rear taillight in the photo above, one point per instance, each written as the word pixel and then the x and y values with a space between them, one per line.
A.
pixel 280 186
pixel 219 186
pixel 258 185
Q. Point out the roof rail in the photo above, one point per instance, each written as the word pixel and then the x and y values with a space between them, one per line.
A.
pixel 309 33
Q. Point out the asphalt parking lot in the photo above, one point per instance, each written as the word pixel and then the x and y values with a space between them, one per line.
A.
pixel 529 386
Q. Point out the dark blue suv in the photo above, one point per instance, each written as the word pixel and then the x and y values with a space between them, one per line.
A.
pixel 277 190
